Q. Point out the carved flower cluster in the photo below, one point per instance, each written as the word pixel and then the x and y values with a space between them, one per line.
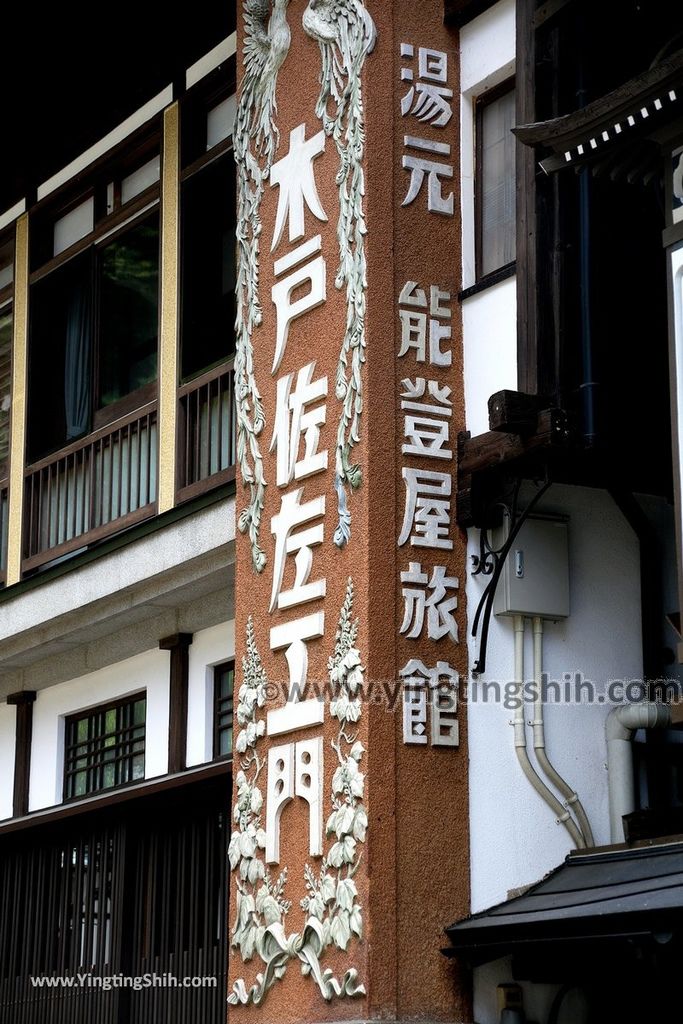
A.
pixel 333 897
pixel 256 908
pixel 332 904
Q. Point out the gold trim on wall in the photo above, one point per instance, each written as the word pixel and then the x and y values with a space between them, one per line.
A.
pixel 18 402
pixel 168 328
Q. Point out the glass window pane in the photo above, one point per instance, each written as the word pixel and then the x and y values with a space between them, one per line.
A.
pixel 104 749
pixel 140 179
pixel 129 311
pixel 208 267
pixel 6 263
pixel 74 225
pixel 224 676
pixel 497 183
pixel 60 357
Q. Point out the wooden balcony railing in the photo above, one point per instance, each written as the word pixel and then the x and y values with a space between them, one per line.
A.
pixel 97 486
pixel 206 432
pixel 107 481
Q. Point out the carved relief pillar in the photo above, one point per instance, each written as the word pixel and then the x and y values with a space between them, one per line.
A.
pixel 349 850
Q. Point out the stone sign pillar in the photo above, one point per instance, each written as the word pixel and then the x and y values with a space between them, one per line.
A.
pixel 349 851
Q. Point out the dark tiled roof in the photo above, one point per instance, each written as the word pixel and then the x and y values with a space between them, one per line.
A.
pixel 615 892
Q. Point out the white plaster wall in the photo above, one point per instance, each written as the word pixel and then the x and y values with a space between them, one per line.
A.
pixel 148 671
pixel 8 721
pixel 514 837
pixel 489 348
pixel 487 58
pixel 209 647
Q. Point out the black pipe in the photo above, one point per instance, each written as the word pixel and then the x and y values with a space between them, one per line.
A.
pixel 588 386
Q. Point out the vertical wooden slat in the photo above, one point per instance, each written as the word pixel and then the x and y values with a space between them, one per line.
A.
pixel 91 490
pixel 132 433
pixel 74 520
pixel 119 503
pixel 18 401
pixel 186 452
pixel 167 869
pixel 219 425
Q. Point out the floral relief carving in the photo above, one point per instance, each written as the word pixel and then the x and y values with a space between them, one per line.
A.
pixel 333 912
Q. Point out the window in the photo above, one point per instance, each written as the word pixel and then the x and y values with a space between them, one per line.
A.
pixel 495 180
pixel 94 304
pixel 208 267
pixel 93 341
pixel 105 747
pixel 128 281
pixel 223 690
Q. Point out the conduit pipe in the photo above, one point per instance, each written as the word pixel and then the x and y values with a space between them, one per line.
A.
pixel 620 726
pixel 545 764
pixel 561 813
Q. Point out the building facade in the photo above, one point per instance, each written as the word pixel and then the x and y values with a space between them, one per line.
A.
pixel 118 450
pixel 340 528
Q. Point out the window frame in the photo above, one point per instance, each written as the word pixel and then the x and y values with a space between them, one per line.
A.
pixel 116 225
pixel 228 665
pixel 481 102
pixel 195 106
pixel 69 748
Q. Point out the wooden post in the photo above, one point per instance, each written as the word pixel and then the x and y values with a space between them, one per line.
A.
pixel 178 645
pixel 23 701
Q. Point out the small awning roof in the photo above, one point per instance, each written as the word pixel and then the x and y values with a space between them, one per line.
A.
pixel 634 110
pixel 613 893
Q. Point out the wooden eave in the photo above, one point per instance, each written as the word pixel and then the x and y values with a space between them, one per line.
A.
pixel 635 110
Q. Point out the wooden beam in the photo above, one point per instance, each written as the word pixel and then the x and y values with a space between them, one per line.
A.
pixel 178 645
pixel 23 701
pixel 548 10
pixel 527 353
pixel 493 449
pixel 513 412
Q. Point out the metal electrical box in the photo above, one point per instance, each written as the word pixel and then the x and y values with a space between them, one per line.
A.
pixel 535 576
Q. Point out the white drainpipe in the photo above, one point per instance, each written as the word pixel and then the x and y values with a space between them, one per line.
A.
pixel 548 769
pixel 621 723
pixel 561 813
